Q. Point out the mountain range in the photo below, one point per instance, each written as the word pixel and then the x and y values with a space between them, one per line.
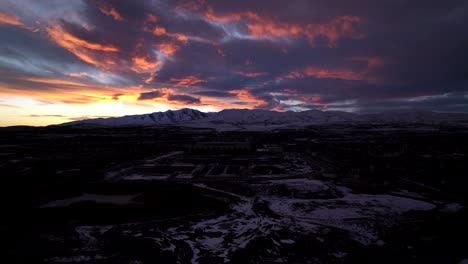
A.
pixel 257 119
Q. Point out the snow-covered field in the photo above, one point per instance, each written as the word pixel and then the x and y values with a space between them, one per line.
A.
pixel 271 223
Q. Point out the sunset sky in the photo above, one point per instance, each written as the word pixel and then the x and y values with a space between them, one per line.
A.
pixel 68 60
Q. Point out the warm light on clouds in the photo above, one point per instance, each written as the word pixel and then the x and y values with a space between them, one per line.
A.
pixel 250 74
pixel 230 17
pixel 144 64
pixel 36 112
pixel 245 95
pixel 266 27
pixel 67 40
pixel 161 31
pixel 85 50
pixel 13 20
pixel 186 81
pixel 65 60
pixel 314 100
pixel 110 11
pixel 333 74
pixel 168 48
pixel 151 18
pixel 66 91
pixel 338 27
pixel 10 19
pixel 329 73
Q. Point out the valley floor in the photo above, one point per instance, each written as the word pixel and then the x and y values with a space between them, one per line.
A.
pixel 175 195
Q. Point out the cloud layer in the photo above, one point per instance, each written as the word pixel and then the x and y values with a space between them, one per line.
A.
pixel 212 54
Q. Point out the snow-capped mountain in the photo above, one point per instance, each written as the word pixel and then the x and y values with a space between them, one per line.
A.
pixel 244 116
pixel 168 117
pixel 427 117
pixel 264 118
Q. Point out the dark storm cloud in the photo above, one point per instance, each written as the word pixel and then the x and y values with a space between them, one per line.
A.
pixel 339 54
pixel 195 58
pixel 186 99
pixel 219 94
pixel 150 95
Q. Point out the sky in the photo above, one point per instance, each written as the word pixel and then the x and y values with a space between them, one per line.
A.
pixel 69 60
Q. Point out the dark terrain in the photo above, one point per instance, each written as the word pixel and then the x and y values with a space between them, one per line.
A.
pixel 323 194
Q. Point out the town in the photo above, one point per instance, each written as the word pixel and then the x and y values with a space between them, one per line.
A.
pixel 192 195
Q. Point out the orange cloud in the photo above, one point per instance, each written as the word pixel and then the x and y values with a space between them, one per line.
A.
pixel 180 37
pixel 168 48
pixel 10 20
pixel 151 18
pixel 149 22
pixel 325 73
pixel 314 100
pixel 110 11
pixel 85 44
pixel 338 27
pixel 245 95
pixel 186 81
pixel 210 15
pixel 278 108
pixel 150 78
pixel 161 31
pixel 250 74
pixel 13 20
pixel 333 74
pixel 265 27
pixel 82 99
pixel 84 50
pixel 144 64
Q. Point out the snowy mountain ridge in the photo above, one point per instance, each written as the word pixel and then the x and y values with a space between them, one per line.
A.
pixel 240 117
